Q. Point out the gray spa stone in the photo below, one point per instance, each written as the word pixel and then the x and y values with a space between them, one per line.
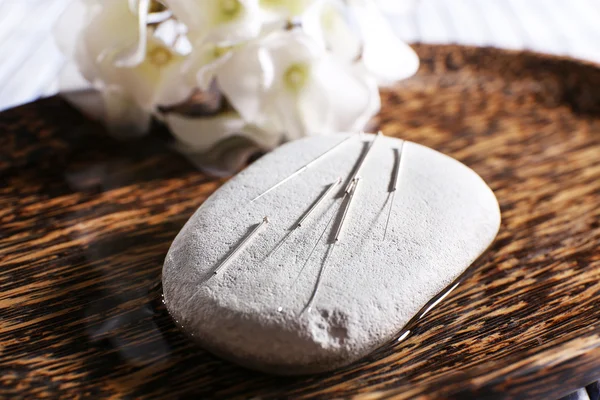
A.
pixel 444 217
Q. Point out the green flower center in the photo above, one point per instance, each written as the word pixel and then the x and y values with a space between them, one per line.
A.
pixel 159 56
pixel 229 10
pixel 294 7
pixel 296 76
pixel 220 51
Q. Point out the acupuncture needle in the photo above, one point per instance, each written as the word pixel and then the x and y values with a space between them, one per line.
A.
pixel 307 214
pixel 332 246
pixel 312 250
pixel 251 236
pixel 361 162
pixel 302 169
pixel 395 176
pixel 224 263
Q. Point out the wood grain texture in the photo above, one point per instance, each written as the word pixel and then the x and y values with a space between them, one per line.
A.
pixel 85 223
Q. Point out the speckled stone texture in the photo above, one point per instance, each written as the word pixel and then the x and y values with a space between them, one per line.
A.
pixel 444 216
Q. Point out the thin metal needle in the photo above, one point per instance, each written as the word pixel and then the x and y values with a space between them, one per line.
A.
pixel 301 169
pixel 307 214
pixel 317 243
pixel 308 306
pixel 395 177
pixel 319 201
pixel 345 212
pixel 252 234
pixel 389 215
pixel 361 162
pixel 314 247
pixel 332 247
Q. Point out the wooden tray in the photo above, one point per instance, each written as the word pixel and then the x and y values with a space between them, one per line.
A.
pixel 85 223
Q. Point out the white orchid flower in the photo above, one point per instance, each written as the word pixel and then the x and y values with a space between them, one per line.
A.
pixel 288 85
pixel 107 53
pixel 158 80
pixel 154 79
pixel 223 22
pixel 109 29
pixel 278 69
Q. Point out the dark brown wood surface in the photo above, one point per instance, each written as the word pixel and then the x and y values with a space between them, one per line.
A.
pixel 86 221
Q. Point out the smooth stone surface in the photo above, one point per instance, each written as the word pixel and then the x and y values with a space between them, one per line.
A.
pixel 444 217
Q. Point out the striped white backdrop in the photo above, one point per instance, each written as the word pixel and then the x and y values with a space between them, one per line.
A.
pixel 30 61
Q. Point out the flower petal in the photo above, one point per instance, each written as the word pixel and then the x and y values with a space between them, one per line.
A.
pixel 288 48
pixel 135 54
pixel 112 28
pixel 282 110
pixel 204 63
pixel 338 100
pixel 200 134
pixel 159 80
pixel 225 158
pixel 385 55
pixel 218 21
pixel 285 9
pixel 173 87
pixel 242 80
pixel 330 24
